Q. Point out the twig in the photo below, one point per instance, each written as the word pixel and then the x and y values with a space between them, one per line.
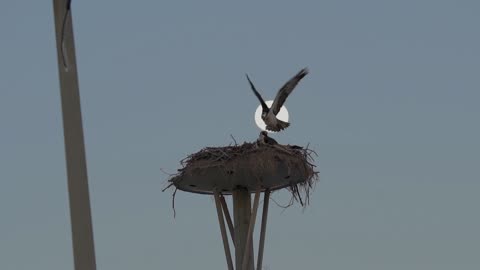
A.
pixel 173 202
pixel 169 174
pixel 290 203
pixel 169 185
pixel 234 139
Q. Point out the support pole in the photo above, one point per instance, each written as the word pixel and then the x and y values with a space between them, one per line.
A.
pixel 228 218
pixel 251 227
pixel 263 228
pixel 223 230
pixel 241 218
pixel 78 194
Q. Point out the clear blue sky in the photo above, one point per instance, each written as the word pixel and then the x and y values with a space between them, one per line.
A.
pixel 390 105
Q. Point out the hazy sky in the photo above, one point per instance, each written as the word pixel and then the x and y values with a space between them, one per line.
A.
pixel 390 105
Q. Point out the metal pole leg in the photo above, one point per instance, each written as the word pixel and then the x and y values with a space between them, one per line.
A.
pixel 251 226
pixel 261 245
pixel 223 230
pixel 241 218
pixel 228 217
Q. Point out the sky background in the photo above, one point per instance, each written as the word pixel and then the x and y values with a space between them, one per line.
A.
pixel 390 106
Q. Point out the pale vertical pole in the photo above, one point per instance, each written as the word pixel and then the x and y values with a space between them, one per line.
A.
pixel 241 219
pixel 78 194
pixel 263 229
pixel 251 226
pixel 228 217
pixel 223 230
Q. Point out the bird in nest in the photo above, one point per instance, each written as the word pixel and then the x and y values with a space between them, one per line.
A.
pixel 269 115
pixel 264 139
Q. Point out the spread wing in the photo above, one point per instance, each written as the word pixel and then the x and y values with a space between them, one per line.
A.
pixel 286 89
pixel 262 102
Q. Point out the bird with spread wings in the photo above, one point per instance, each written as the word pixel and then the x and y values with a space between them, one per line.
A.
pixel 269 115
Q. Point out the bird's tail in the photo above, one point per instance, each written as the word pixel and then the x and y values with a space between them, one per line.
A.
pixel 280 125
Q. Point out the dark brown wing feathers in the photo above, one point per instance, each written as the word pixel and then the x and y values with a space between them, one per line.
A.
pixel 286 89
pixel 262 102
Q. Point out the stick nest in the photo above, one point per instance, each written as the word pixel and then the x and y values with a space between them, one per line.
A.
pixel 234 163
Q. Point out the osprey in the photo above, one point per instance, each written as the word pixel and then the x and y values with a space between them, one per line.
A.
pixel 264 139
pixel 269 115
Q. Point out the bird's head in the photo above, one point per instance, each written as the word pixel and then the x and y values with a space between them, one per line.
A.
pixel 264 133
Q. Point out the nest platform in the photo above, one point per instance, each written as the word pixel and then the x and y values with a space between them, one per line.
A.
pixel 250 166
pixel 240 170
